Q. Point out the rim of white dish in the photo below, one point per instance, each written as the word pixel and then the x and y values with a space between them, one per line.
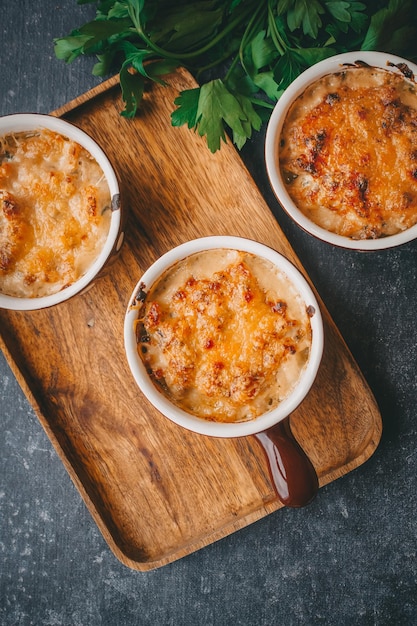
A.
pixel 273 132
pixel 177 415
pixel 18 122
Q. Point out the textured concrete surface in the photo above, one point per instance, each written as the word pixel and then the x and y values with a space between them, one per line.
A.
pixel 349 558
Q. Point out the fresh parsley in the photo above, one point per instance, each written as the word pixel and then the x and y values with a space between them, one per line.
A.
pixel 264 44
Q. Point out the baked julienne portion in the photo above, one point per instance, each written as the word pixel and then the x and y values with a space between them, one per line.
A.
pixel 224 335
pixel 54 212
pixel 348 152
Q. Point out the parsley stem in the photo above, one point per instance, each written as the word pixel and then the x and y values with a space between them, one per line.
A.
pixel 262 103
pixel 275 36
pixel 232 66
pixel 246 36
pixel 253 26
pixel 217 61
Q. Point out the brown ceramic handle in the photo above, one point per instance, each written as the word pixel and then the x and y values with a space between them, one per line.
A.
pixel 292 472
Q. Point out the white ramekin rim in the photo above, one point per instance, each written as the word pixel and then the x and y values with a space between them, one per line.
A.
pixel 27 121
pixel 160 402
pixel 272 137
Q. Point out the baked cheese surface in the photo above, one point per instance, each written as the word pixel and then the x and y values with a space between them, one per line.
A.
pixel 348 152
pixel 54 212
pixel 224 335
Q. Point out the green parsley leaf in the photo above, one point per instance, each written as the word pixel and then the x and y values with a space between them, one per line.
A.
pixel 88 37
pixel 186 113
pixel 184 26
pixel 383 30
pixel 69 48
pixel 133 85
pixel 116 10
pixel 211 108
pixel 262 50
pixel 339 10
pixel 302 13
pixel 104 63
pixel 244 121
pixel 287 69
pixel 133 73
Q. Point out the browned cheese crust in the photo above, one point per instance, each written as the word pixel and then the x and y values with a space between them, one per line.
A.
pixel 222 347
pixel 53 217
pixel 348 153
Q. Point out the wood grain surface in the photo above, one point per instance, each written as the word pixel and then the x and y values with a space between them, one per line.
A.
pixel 158 492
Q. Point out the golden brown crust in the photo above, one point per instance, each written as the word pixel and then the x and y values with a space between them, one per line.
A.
pixel 216 344
pixel 349 153
pixel 53 218
pixel 15 233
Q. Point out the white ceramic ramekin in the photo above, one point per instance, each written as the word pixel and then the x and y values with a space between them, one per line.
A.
pixel 30 121
pixel 297 87
pixel 156 397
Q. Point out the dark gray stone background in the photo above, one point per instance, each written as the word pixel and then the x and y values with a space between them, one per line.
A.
pixel 349 558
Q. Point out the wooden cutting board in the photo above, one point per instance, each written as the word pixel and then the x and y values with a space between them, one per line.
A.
pixel 158 492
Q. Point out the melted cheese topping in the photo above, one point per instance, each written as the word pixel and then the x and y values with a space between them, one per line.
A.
pixel 224 335
pixel 54 212
pixel 348 153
